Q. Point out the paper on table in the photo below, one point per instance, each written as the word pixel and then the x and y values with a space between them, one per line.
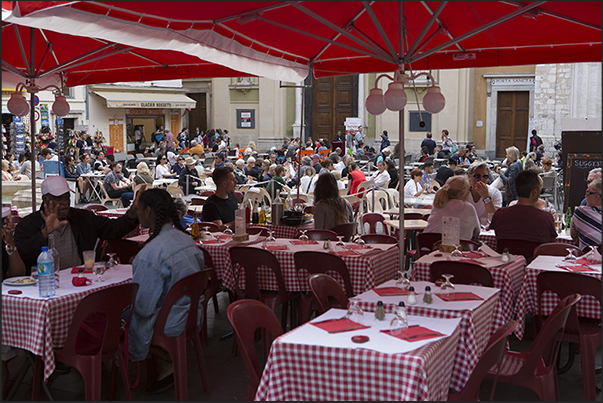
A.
pixel 390 291
pixel 488 250
pixel 277 247
pixel 303 242
pixel 75 269
pixel 472 261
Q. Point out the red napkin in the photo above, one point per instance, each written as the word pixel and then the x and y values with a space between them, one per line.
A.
pixel 356 246
pixel 390 291
pixel 585 261
pixel 579 268
pixel 459 296
pixel 473 254
pixel 80 281
pixel 471 261
pixel 208 241
pixel 75 270
pixel 414 333
pixel 277 247
pixel 302 242
pixel 338 325
pixel 345 253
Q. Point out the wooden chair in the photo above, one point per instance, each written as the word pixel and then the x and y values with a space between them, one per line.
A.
pixel 464 273
pixel 535 368
pixel 327 292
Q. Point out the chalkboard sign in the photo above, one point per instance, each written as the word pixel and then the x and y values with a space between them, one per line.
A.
pixel 577 167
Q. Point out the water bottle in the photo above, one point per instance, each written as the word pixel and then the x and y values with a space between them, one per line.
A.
pixel 55 256
pixel 46 283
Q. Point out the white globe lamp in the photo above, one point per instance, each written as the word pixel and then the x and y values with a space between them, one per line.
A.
pixel 60 107
pixel 17 105
pixel 395 97
pixel 375 103
pixel 434 101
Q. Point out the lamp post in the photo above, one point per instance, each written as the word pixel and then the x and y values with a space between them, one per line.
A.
pixel 395 100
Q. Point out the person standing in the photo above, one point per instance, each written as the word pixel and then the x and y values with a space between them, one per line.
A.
pixel 535 141
pixel 169 139
pixel 384 140
pixel 447 143
pixel 138 136
pixel 429 143
pixel 514 167
pixel 359 137
pixel 349 143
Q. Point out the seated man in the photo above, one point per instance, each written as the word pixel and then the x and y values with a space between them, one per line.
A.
pixel 252 170
pixel 220 207
pixel 426 178
pixel 524 221
pixel 117 186
pixel 486 199
pixel 189 177
pixel 461 160
pixel 75 230
pixel 446 171
pixel 586 220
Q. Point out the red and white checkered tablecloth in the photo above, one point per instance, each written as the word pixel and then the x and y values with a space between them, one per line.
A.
pixel 302 372
pixel 40 325
pixel 507 277
pixel 489 238
pixel 476 320
pixel 286 231
pixel 527 301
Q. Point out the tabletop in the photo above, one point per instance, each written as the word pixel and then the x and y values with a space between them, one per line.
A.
pixel 408 210
pixel 476 318
pixel 309 363
pixel 411 225
pixel 40 324
pixel 422 200
pixel 527 301
pixel 489 238
pixel 508 277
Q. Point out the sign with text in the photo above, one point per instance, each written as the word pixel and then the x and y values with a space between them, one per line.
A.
pixel 116 134
pixel 245 119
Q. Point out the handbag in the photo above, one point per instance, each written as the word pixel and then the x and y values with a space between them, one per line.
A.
pixel 454 147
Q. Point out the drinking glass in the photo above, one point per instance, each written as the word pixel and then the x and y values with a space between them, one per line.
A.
pixel 456 254
pixel 206 233
pixel 227 231
pixel 111 262
pixel 34 272
pixel 303 235
pixel 570 256
pixel 447 287
pixel 484 223
pixel 399 322
pixel 99 269
pixel 402 281
pixel 359 241
pixel 88 259
pixel 271 237
pixel 355 313
pixel 340 241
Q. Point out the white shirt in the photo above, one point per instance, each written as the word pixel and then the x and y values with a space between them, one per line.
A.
pixel 339 166
pixel 171 157
pixel 308 183
pixel 380 180
pixel 160 170
pixel 469 223
pixel 412 188
pixel 480 206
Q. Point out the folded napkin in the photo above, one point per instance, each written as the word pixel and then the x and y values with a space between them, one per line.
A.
pixel 471 261
pixel 210 241
pixel 302 242
pixel 459 296
pixel 277 247
pixel 473 254
pixel 345 253
pixel 578 268
pixel 338 325
pixel 75 269
pixel 356 246
pixel 585 261
pixel 80 281
pixel 390 291
pixel 414 333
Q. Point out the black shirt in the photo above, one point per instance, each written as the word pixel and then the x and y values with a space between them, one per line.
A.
pixel 443 174
pixel 216 208
pixel 255 172
pixel 430 144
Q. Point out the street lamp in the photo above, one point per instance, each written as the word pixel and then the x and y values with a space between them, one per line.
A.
pixel 17 105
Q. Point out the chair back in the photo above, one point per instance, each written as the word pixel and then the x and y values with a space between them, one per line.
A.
pixel 425 241
pixel 466 245
pixel 394 197
pixel 381 200
pixel 95 207
pixel 211 226
pixel 321 234
pixel 52 168
pixel 556 249
pixel 464 273
pixel 324 154
pixel 197 201
pixel 327 292
pixel 125 249
pixel 492 355
pixel 347 230
pixel 246 317
pixel 257 229
pixel 518 247
pixel 314 262
pixel 362 188
pixel 251 260
pixel 379 238
pixel 372 219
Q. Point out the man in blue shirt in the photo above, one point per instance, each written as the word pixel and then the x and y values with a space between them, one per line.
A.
pixel 429 143
pixel 426 179
pixel 219 160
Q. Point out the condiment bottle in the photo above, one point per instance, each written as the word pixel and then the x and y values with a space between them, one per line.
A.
pixel 327 244
pixel 380 311
pixel 195 233
pixel 427 297
pixel 505 257
pixel 412 296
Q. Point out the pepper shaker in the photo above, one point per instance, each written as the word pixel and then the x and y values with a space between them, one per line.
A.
pixel 505 255
pixel 380 312
pixel 427 297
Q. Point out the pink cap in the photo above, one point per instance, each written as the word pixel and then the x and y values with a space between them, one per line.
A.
pixel 55 185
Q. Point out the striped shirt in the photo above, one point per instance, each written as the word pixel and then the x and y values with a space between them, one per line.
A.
pixel 587 222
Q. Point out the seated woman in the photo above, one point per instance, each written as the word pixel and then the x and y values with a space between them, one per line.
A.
pixel 277 182
pixel 380 179
pixel 163 170
pixel 308 181
pixel 143 174
pixel 169 255
pixel 117 186
pixel 412 187
pixel 450 202
pixel 586 221
pixel 330 209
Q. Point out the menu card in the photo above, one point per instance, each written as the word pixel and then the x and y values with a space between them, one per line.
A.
pixel 413 333
pixel 240 227
pixel 451 231
pixel 339 325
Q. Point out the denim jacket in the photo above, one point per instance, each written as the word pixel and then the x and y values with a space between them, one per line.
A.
pixel 170 256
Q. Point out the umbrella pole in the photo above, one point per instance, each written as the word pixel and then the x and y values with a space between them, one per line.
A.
pixel 401 181
pixel 32 112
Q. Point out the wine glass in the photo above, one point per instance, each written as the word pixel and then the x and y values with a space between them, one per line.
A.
pixel 99 269
pixel 456 254
pixel 303 236
pixel 447 287
pixel 206 233
pixel 355 313
pixel 484 223
pixel 340 241
pixel 227 231
pixel 399 322
pixel 359 241
pixel 271 237
pixel 402 281
pixel 570 255
pixel 111 262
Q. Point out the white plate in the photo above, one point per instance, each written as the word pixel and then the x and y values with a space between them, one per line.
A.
pixel 12 281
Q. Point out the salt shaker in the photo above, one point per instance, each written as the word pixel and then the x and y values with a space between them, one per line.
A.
pixel 412 296
pixel 505 255
pixel 427 297
pixel 327 244
pixel 380 312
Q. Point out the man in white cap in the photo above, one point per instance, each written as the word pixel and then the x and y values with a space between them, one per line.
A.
pixel 75 230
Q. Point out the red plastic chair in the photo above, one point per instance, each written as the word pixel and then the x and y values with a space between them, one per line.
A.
pixel 372 219
pixel 207 193
pixel 492 355
pixel 89 361
pixel 211 226
pixel 585 332
pixel 347 230
pixel 556 249
pixel 378 238
pixel 464 273
pixel 125 250
pixel 413 216
pixel 239 196
pixel 192 286
pixel 466 245
pixel 327 292
pixel 246 317
pixel 197 201
pixel 321 234
pixel 313 262
pixel 535 368
pixel 254 230
pixel 94 207
pixel 425 241
pixel 251 260
pixel 518 247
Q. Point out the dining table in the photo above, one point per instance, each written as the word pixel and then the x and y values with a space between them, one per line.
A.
pixel 475 305
pixel 527 300
pixel 488 236
pixel 95 179
pixel 40 325
pixel 507 276
pixel 311 363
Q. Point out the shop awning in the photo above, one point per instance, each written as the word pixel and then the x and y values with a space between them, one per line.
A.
pixel 146 100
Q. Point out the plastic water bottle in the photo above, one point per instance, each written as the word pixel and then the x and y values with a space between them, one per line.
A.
pixel 55 256
pixel 46 283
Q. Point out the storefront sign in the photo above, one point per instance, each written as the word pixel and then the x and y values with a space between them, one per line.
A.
pixel 145 112
pixel 116 134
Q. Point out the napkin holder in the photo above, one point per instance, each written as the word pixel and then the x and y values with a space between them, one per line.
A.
pixel 240 234
pixel 447 248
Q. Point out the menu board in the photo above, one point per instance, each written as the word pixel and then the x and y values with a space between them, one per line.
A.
pixel 116 134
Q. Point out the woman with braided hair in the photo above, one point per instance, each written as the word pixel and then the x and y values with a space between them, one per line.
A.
pixel 169 255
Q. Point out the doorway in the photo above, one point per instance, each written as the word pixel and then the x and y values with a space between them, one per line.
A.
pixel 197 117
pixel 512 121
pixel 333 100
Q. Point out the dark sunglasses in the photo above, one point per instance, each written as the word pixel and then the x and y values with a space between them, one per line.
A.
pixel 588 181
pixel 591 193
pixel 478 176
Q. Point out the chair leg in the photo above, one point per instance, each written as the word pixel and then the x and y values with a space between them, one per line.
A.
pixel 201 363
pixel 587 355
pixel 92 382
pixel 178 356
pixel 570 359
pixel 124 376
pixel 216 307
